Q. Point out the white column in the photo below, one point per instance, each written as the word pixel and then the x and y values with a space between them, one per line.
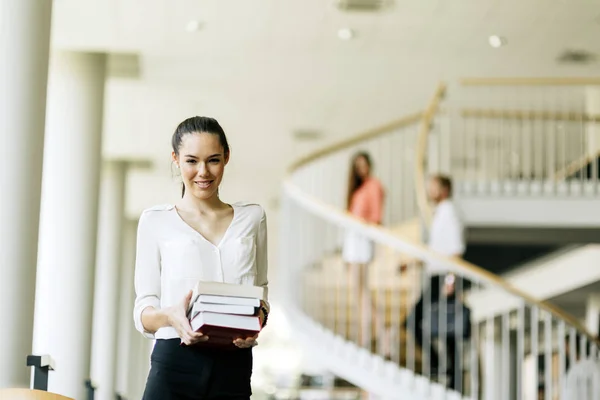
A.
pixel 133 389
pixel 125 329
pixel 141 349
pixel 107 289
pixel 24 48
pixel 69 216
pixel 592 314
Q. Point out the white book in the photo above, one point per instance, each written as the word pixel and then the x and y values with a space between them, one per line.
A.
pixel 239 301
pixel 227 289
pixel 221 308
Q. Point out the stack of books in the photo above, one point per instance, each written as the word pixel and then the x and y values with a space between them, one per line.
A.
pixel 225 312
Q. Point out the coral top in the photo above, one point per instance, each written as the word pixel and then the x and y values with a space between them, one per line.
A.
pixel 367 201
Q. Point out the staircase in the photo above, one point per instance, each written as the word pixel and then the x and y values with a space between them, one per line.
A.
pixel 506 355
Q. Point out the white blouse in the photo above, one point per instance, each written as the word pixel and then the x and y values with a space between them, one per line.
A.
pixel 171 257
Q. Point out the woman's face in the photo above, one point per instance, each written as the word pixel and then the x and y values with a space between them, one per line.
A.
pixel 202 161
pixel 361 166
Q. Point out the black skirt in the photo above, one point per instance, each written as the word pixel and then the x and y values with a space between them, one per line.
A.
pixel 196 373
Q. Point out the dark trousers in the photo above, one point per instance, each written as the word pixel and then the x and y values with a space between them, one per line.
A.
pixel 196 373
pixel 434 294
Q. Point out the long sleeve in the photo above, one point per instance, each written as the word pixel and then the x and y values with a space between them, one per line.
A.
pixel 147 272
pixel 262 263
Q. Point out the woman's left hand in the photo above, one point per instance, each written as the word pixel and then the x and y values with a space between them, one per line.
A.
pixel 251 341
pixel 246 343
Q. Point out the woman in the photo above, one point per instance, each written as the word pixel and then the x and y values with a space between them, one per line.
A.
pixel 198 238
pixel 364 201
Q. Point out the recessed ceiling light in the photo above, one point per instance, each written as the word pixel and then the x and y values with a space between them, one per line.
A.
pixel 496 41
pixel 345 33
pixel 193 26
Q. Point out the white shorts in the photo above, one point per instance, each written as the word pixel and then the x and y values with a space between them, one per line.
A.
pixel 357 249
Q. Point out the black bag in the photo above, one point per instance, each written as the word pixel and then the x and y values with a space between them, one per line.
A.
pixel 456 320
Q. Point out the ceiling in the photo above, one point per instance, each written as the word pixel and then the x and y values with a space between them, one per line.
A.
pixel 267 68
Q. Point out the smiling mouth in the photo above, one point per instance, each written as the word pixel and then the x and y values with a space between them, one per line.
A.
pixel 203 184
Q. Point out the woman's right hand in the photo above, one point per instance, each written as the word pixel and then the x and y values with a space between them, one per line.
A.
pixel 177 317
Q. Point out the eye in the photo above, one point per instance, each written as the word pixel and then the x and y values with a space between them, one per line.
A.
pixel 191 161
pixel 214 160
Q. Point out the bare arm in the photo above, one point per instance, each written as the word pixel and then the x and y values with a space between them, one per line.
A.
pixel 153 319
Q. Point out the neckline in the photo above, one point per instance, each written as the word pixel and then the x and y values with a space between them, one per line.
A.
pixel 218 245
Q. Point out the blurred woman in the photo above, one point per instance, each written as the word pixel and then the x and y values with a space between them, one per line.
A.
pixel 364 201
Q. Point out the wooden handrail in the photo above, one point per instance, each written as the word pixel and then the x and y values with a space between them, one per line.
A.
pixel 421 153
pixel 422 252
pixel 28 394
pixel 358 138
pixel 529 115
pixel 576 165
pixel 576 81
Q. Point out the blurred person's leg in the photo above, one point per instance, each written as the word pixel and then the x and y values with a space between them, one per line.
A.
pixel 358 253
pixel 454 349
pixel 454 363
pixel 422 316
pixel 362 299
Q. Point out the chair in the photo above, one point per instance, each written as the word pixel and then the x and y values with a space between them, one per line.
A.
pixel 28 394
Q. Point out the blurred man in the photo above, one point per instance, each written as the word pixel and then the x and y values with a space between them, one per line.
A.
pixel 446 237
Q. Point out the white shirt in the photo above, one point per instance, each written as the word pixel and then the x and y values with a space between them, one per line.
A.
pixel 172 257
pixel 582 381
pixel 446 235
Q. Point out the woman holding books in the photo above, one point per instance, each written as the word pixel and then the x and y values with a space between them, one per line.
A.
pixel 198 239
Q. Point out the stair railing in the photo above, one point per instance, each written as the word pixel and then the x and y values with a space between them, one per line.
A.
pixel 518 352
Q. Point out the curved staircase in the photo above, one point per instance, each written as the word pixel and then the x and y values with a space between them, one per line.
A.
pixel 519 349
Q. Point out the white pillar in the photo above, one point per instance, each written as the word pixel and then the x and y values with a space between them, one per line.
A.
pixel 69 216
pixel 592 314
pixel 134 355
pixel 125 360
pixel 24 48
pixel 107 289
pixel 141 349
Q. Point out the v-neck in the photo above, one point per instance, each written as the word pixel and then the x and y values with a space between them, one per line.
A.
pixel 218 245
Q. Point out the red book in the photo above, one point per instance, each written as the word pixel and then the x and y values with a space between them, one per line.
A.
pixel 223 329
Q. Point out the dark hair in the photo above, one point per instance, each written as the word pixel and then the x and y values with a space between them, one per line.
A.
pixel 355 180
pixel 445 182
pixel 198 125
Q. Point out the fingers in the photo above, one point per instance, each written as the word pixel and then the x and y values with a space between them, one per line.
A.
pixel 190 338
pixel 193 336
pixel 187 335
pixel 245 343
pixel 198 338
pixel 185 338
